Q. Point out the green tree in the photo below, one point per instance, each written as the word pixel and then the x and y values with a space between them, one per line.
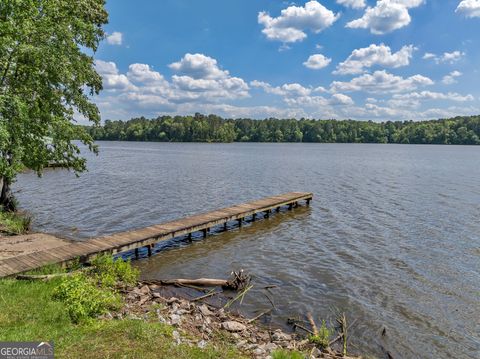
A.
pixel 47 75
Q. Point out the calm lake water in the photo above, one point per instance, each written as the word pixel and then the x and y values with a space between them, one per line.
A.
pixel 392 236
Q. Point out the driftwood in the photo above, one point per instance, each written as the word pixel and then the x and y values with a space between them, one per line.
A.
pixel 238 281
pixel 312 323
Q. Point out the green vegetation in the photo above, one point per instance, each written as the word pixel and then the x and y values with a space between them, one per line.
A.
pixel 285 354
pixel 200 128
pixel 47 75
pixel 14 222
pixel 29 314
pixel 322 338
pixel 89 294
pixel 83 299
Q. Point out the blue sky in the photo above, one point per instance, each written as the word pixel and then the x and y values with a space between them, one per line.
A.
pixel 359 59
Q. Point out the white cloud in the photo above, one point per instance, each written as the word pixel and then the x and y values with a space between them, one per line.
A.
pixel 386 16
pixel 446 57
pixel 286 90
pixel 380 55
pixel 199 80
pixel 354 4
pixel 450 78
pixel 381 82
pixel 317 62
pixel 115 38
pixel 198 66
pixel 452 57
pixel 293 21
pixel 429 95
pixel 112 79
pixel 429 55
pixel 298 96
pixel 341 99
pixel 469 8
pixel 143 73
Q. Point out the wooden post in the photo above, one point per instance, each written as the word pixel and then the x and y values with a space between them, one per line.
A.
pixel 204 233
pixel 136 253
pixel 190 237
pixel 225 226
pixel 254 217
pixel 290 206
pixel 239 222
pixel 308 201
pixel 149 249
pixel 267 214
pixel 296 204
pixel 277 209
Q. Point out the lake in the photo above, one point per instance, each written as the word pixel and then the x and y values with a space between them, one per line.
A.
pixel 392 236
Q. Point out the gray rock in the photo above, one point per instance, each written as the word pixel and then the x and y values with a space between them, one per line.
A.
pixel 175 319
pixel 176 336
pixel 259 351
pixel 279 336
pixel 269 347
pixel 233 326
pixel 204 310
pixel 316 352
pixel 202 344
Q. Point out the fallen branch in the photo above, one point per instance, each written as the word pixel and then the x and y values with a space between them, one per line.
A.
pixel 238 281
pixel 210 294
pixel 312 323
pixel 258 316
pixel 296 325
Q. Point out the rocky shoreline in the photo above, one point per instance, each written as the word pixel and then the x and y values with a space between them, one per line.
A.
pixel 197 324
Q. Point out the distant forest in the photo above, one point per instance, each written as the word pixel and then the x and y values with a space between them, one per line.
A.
pixel 211 128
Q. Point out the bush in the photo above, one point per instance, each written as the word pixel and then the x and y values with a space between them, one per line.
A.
pixel 109 271
pixel 83 298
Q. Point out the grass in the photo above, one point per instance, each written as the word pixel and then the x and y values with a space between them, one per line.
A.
pixel 14 222
pixel 28 313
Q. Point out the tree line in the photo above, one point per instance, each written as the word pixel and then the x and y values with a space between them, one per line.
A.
pixel 212 128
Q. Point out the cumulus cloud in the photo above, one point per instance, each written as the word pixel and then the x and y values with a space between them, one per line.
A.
pixel 354 4
pixel 115 38
pixel 381 82
pixel 373 55
pixel 286 90
pixel 317 62
pixel 469 8
pixel 199 80
pixel 446 57
pixel 112 79
pixel 341 99
pixel 451 77
pixel 198 66
pixel 386 16
pixel 293 21
pixel 296 95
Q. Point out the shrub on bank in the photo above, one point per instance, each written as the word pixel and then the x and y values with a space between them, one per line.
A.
pixel 89 294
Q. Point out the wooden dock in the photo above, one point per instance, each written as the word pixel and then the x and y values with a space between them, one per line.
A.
pixel 65 252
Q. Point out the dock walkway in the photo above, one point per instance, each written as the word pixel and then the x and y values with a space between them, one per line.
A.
pixel 65 252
